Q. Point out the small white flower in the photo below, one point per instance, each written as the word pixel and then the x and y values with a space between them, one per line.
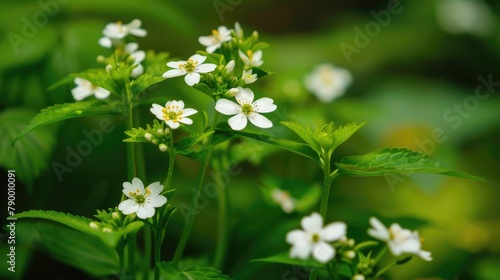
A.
pixel 138 57
pixel 85 89
pixel 398 240
pixel 248 77
pixel 314 238
pixel 466 16
pixel 246 109
pixel 191 68
pixel 251 59
pixel 284 199
pixel 115 32
pixel 173 113
pixel 214 41
pixel 328 82
pixel 142 201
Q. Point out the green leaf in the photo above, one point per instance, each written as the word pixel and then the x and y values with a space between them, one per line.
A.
pixel 284 258
pixel 305 133
pixel 342 133
pixel 32 154
pixel 261 72
pixel 153 74
pixel 78 249
pixel 169 271
pixel 289 145
pixel 395 161
pixel 99 77
pixel 183 146
pixel 66 111
pixel 82 224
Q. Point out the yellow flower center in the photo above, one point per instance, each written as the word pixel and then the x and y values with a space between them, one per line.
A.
pixel 247 109
pixel 170 114
pixel 215 33
pixel 315 238
pixel 189 66
pixel 140 197
pixel 120 25
pixel 250 55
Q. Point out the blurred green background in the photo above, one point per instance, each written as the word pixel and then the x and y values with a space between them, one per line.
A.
pixel 407 75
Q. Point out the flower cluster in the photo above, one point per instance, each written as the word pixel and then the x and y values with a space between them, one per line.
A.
pixel 157 134
pixel 111 220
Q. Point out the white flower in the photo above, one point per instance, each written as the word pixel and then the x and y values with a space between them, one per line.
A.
pixel 191 68
pixel 214 41
pixel 138 57
pixel 314 238
pixel 328 82
pixel 246 109
pixel 142 201
pixel 173 113
pixel 465 16
pixel 284 199
pixel 248 77
pixel 85 89
pixel 398 240
pixel 115 32
pixel 251 59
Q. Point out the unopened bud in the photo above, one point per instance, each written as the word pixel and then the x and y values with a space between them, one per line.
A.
pixel 93 225
pixel 109 68
pixel 148 136
pixel 155 141
pixel 116 216
pixel 229 66
pixel 255 36
pixel 350 254
pixel 163 147
pixel 167 131
pixel 107 229
pixel 358 277
pixel 101 59
pixel 160 131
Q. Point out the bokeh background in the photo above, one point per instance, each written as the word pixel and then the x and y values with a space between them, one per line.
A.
pixel 408 74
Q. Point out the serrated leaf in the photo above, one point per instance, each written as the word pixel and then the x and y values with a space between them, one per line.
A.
pixel 342 133
pixel 169 271
pixel 182 147
pixel 305 133
pixel 289 145
pixel 153 74
pixel 82 224
pixel 32 154
pixel 261 72
pixel 395 161
pixel 99 77
pixel 66 111
pixel 77 249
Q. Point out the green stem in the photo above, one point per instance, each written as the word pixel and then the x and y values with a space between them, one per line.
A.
pixel 131 156
pixel 186 231
pixel 223 228
pixel 380 254
pixel 157 245
pixel 171 162
pixel 325 194
pixel 385 269
pixel 147 252
pixel 121 260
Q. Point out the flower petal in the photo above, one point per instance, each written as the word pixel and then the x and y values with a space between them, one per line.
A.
pixel 188 112
pixel 260 121
pixel 137 184
pixel 238 122
pixel 101 93
pixel 198 58
pixel 157 201
pixel 379 231
pixel 145 212
pixel 227 107
pixel 155 188
pixel 323 252
pixel 192 78
pixel 205 68
pixel 139 70
pixel 314 222
pixel 175 64
pixel 425 255
pixel 296 236
pixel 105 42
pixel 300 250
pixel 244 95
pixel 186 121
pixel 172 124
pixel 264 105
pixel 333 231
pixel 131 47
pixel 174 73
pixel 205 40
pixel 128 206
pixel 211 49
pixel 80 93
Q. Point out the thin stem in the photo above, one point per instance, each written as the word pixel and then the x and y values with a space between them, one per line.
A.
pixel 223 228
pixel 186 231
pixel 121 261
pixel 131 156
pixel 385 269
pixel 147 252
pixel 171 162
pixel 380 254
pixel 157 245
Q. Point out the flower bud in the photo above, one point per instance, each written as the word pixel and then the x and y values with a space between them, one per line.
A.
pixel 109 68
pixel 94 225
pixel 101 59
pixel 350 254
pixel 107 229
pixel 229 66
pixel 167 131
pixel 358 277
pixel 163 147
pixel 220 80
pixel 255 37
pixel 155 141
pixel 160 131
pixel 148 136
pixel 116 216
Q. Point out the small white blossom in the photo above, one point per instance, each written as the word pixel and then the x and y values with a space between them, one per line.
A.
pixel 466 16
pixel 246 109
pixel 284 199
pixel 328 82
pixel 398 240
pixel 115 32
pixel 173 113
pixel 251 59
pixel 142 201
pixel 85 89
pixel 248 77
pixel 191 68
pixel 214 41
pixel 314 238
pixel 138 57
